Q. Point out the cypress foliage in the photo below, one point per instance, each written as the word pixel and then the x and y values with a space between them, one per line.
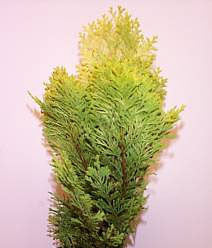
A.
pixel 105 125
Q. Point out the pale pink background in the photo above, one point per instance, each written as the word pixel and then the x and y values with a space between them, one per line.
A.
pixel 39 35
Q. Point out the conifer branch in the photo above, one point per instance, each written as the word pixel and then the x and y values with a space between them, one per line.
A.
pixel 124 96
pixel 83 160
pixel 79 152
pixel 123 163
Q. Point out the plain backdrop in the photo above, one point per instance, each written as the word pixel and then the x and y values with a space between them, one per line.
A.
pixel 38 35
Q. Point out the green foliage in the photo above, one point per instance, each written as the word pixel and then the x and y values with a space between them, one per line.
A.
pixel 105 127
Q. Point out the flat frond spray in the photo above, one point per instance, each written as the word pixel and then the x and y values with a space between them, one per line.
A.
pixel 105 125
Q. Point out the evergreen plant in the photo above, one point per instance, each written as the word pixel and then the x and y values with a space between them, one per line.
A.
pixel 105 125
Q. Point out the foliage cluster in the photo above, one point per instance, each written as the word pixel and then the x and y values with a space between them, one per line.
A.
pixel 105 125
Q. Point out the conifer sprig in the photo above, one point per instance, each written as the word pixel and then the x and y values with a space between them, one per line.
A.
pixel 105 126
